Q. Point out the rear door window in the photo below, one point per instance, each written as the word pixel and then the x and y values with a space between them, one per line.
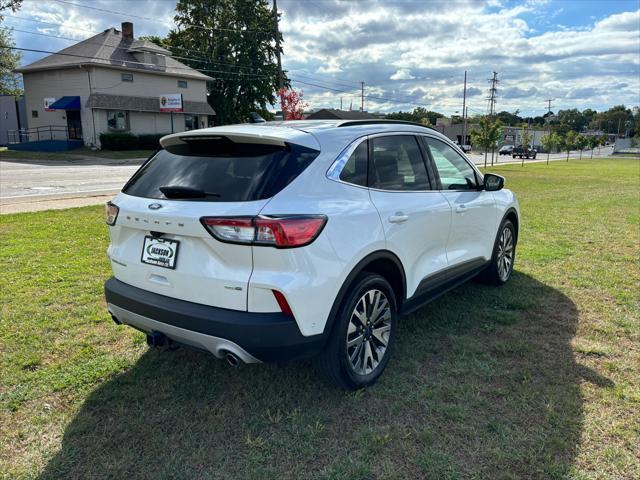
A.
pixel 219 170
pixel 397 164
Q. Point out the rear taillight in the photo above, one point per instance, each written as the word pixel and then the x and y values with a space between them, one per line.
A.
pixel 111 213
pixel 236 230
pixel 280 232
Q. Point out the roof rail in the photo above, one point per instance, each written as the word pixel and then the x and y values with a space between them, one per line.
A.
pixel 351 123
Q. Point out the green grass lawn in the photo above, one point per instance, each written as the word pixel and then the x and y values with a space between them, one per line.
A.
pixel 537 379
pixel 124 154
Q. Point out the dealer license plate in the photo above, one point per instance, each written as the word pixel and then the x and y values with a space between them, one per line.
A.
pixel 160 251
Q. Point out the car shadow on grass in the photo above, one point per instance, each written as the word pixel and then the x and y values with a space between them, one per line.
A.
pixel 483 384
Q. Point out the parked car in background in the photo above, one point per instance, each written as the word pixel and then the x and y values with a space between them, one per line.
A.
pixel 284 240
pixel 464 148
pixel 505 150
pixel 524 151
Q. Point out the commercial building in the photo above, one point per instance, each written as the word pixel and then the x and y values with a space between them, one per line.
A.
pixel 112 83
pixel 12 117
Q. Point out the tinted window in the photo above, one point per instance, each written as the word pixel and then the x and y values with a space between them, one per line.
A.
pixel 397 164
pixel 455 173
pixel 226 171
pixel 355 170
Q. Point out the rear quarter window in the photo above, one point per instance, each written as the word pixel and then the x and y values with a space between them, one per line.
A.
pixel 226 171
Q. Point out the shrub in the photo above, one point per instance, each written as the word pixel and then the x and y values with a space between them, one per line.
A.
pixel 118 141
pixel 150 141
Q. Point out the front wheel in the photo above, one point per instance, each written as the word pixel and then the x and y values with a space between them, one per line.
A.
pixel 504 254
pixel 363 334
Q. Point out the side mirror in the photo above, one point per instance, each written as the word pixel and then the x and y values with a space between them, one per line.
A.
pixel 493 183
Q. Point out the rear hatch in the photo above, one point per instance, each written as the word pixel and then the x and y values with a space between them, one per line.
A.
pixel 158 242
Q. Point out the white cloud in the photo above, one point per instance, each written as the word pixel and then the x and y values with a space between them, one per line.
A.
pixel 412 51
pixel 398 49
pixel 402 74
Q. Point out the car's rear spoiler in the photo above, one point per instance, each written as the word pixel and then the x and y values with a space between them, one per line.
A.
pixel 250 133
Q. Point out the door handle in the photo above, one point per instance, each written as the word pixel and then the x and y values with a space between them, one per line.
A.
pixel 461 208
pixel 398 217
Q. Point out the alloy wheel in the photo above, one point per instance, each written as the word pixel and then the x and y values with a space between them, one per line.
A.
pixel 505 254
pixel 369 332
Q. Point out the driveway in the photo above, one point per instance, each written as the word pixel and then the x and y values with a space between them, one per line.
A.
pixel 32 185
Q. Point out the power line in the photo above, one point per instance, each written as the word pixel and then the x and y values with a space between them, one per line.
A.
pixel 127 62
pixel 204 60
pixel 199 59
pixel 372 97
pixel 151 19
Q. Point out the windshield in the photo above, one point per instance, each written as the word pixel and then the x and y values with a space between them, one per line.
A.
pixel 219 170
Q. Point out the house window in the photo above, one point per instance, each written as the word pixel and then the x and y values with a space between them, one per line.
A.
pixel 182 84
pixel 190 122
pixel 126 77
pixel 34 113
pixel 118 120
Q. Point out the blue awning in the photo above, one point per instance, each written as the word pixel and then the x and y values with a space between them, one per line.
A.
pixel 66 103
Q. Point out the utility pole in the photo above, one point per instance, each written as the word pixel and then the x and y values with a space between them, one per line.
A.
pixel 277 34
pixel 340 103
pixel 548 100
pixel 464 110
pixel 362 96
pixel 464 128
pixel 493 90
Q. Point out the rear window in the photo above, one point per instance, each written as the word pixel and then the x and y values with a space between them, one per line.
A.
pixel 223 170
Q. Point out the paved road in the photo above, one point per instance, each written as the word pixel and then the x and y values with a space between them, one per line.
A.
pixel 30 185
pixel 27 185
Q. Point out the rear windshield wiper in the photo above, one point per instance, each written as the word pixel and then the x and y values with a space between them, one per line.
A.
pixel 171 191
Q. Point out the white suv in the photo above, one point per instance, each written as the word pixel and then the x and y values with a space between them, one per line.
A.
pixel 284 240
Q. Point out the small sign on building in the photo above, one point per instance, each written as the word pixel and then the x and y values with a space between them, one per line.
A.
pixel 48 102
pixel 171 102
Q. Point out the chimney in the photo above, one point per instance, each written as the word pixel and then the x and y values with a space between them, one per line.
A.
pixel 127 30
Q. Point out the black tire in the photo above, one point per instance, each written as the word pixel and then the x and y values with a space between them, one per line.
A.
pixel 495 274
pixel 334 361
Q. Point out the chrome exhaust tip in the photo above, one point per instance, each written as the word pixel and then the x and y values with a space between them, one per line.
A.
pixel 232 359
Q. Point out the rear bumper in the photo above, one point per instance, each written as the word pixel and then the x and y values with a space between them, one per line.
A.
pixel 264 337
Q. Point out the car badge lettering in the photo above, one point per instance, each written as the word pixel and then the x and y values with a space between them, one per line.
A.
pixel 154 206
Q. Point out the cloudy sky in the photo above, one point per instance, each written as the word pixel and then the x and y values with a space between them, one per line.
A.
pixel 580 53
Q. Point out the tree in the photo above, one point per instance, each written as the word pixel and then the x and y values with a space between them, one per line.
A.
pixel 487 135
pixel 550 142
pixel 292 104
pixel 612 120
pixel 568 142
pixel 525 141
pixel 13 5
pixel 161 42
pixel 572 118
pixel 416 115
pixel 581 143
pixel 593 141
pixel 9 61
pixel 602 141
pixel 234 42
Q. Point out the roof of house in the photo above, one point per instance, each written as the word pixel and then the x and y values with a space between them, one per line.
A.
pixel 142 104
pixel 112 50
pixel 331 114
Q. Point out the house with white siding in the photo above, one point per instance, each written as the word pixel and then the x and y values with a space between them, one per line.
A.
pixel 112 83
